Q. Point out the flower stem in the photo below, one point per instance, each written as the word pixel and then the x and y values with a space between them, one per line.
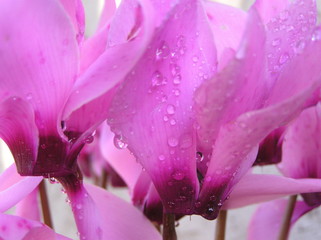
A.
pixel 45 204
pixel 220 225
pixel 169 232
pixel 286 223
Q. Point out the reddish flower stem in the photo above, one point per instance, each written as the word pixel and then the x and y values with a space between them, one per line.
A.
pixel 286 223
pixel 169 232
pixel 221 225
pixel 45 205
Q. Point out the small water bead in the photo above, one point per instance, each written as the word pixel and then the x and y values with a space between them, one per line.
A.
pixel 163 51
pixel 172 142
pixel 176 92
pixel 199 156
pixel 284 15
pixel 119 142
pixel 195 59
pixel 52 180
pixel 181 41
pixel 157 79
pixel 276 42
pixel 186 141
pixel 316 35
pixel 166 118
pixel 178 175
pixel 161 157
pixel 29 96
pixel 177 79
pixel 172 122
pixel 78 206
pixel 170 109
pixel 175 69
pixel 284 58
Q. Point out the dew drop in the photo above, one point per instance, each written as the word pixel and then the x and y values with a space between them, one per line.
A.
pixel 29 96
pixel 284 15
pixel 170 109
pixel 119 142
pixel 79 206
pixel 163 51
pixel 157 79
pixel 180 41
pixel 199 156
pixel 276 42
pixel 175 69
pixel 284 58
pixel 52 180
pixel 172 142
pixel 178 176
pixel 161 157
pixel 195 59
pixel 172 122
pixel 177 79
pixel 166 118
pixel 316 35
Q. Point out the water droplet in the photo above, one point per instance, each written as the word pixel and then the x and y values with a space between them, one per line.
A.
pixel 284 58
pixel 43 146
pixel 119 142
pixel 79 206
pixel 178 175
pixel 176 92
pixel 316 34
pixel 175 69
pixel 177 79
pixel 171 204
pixel 170 109
pixel 180 41
pixel 198 204
pixel 276 42
pixel 52 180
pixel 166 118
pixel 172 142
pixel 157 79
pixel 284 15
pixel 163 51
pixel 195 59
pixel 199 156
pixel 208 179
pixel 161 157
pixel 172 122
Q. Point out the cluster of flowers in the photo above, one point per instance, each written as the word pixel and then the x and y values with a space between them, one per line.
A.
pixel 195 94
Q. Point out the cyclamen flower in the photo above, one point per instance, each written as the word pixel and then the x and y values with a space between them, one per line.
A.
pixel 300 160
pixel 55 87
pixel 194 123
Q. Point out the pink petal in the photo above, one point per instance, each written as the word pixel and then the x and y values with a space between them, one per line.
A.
pixel 267 220
pixel 114 64
pixel 45 59
pixel 117 218
pixel 76 12
pixel 238 88
pixel 256 188
pixel 269 9
pixel 152 111
pixel 29 207
pixel 13 187
pixel 237 138
pixel 108 12
pixel 19 131
pixel 300 150
pixel 17 228
pixel 289 33
pixel 227 24
pixel 121 160
pixel 43 233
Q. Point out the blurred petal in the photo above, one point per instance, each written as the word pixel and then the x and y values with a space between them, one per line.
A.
pixel 117 218
pixel 13 187
pixel 28 207
pixel 76 12
pixel 107 13
pixel 267 220
pixel 227 24
pixel 300 150
pixel 152 110
pixel 121 160
pixel 17 228
pixel 45 59
pixel 269 9
pixel 256 188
